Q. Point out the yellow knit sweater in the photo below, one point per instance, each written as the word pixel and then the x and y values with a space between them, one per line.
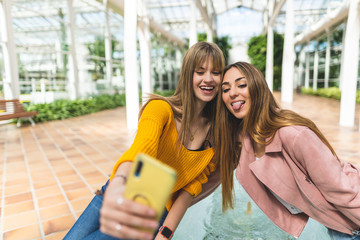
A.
pixel 157 136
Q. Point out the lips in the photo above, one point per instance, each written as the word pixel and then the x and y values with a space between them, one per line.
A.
pixel 237 105
pixel 207 89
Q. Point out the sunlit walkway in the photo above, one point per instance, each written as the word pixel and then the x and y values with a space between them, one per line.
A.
pixel 49 172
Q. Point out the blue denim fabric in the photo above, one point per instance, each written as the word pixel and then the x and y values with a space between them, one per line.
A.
pixel 87 227
pixel 335 235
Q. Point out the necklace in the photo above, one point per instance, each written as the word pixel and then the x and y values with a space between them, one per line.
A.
pixel 192 135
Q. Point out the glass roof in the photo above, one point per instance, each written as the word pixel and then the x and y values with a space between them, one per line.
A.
pixel 42 23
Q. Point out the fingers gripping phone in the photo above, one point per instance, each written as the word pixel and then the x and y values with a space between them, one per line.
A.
pixel 150 183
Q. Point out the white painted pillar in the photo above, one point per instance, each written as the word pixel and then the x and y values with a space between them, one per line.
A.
pixel 74 79
pixel 11 77
pixel 193 31
pixel 287 79
pixel 342 55
pixel 350 66
pixel 145 51
pixel 270 48
pixel 316 67
pixel 130 63
pixel 327 60
pixel 301 65
pixel 307 71
pixel 108 48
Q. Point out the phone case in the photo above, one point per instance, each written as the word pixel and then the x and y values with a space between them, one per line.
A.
pixel 150 182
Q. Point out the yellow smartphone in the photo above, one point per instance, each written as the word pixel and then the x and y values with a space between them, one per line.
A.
pixel 150 182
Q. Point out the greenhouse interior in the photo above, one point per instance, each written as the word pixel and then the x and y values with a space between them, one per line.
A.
pixel 117 51
pixel 76 49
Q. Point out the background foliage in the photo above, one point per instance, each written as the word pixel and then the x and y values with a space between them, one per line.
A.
pixel 257 54
pixel 223 43
pixel 64 108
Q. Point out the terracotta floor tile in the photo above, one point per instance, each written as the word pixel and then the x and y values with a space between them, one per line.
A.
pixel 17 208
pixel 56 236
pixel 17 189
pixel 19 220
pixel 44 192
pixel 73 185
pixel 18 198
pixel 15 182
pixel 27 232
pixel 38 176
pixel 45 183
pixel 79 193
pixel 50 200
pixel 69 179
pixel 58 224
pixel 54 211
pixel 80 204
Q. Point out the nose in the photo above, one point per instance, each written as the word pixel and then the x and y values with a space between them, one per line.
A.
pixel 232 92
pixel 208 77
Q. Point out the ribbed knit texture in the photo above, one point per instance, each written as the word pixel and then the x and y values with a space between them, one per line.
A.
pixel 157 136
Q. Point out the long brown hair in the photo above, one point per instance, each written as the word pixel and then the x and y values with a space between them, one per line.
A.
pixel 264 118
pixel 183 100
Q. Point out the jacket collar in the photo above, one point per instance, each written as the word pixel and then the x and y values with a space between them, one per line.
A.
pixel 274 146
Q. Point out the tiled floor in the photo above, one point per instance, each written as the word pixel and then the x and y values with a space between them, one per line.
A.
pixel 48 173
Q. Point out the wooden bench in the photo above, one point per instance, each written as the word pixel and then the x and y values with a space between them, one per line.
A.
pixel 10 109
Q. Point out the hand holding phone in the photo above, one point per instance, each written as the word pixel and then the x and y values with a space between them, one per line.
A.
pixel 150 182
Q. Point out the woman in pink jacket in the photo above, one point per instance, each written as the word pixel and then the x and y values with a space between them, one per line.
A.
pixel 282 160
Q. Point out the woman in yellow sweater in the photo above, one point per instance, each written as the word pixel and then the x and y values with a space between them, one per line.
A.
pixel 177 130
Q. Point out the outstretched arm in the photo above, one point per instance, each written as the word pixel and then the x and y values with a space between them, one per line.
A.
pixel 120 217
pixel 176 212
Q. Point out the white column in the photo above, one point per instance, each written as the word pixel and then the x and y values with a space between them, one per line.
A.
pixel 74 79
pixel 193 32
pixel 287 75
pixel 108 48
pixel 11 80
pixel 342 55
pixel 145 51
pixel 327 60
pixel 307 71
pixel 209 34
pixel 130 63
pixel 270 49
pixel 351 62
pixel 316 67
pixel 301 64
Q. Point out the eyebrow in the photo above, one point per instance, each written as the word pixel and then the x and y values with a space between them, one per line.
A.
pixel 236 80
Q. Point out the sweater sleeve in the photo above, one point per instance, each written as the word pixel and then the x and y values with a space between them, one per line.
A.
pixel 195 186
pixel 339 183
pixel 153 119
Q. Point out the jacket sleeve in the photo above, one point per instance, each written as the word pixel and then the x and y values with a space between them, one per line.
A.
pixel 150 128
pixel 338 182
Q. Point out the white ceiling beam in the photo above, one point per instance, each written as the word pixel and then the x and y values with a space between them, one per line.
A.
pixel 204 14
pixel 327 21
pixel 118 6
pixel 277 9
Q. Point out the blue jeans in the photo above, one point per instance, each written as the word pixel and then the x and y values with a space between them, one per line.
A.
pixel 87 227
pixel 335 235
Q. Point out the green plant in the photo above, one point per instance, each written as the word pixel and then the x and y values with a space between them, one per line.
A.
pixel 223 43
pixel 332 92
pixel 62 109
pixel 257 47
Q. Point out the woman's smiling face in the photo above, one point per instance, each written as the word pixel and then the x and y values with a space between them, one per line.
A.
pixel 235 93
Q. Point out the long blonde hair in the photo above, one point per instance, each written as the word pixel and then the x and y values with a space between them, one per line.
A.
pixel 183 100
pixel 264 118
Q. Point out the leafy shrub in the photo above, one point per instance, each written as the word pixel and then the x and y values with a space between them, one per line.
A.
pixel 332 92
pixel 64 108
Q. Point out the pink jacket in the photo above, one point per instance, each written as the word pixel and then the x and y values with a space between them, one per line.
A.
pixel 301 170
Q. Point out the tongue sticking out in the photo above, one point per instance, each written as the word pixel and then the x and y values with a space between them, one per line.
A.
pixel 236 106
